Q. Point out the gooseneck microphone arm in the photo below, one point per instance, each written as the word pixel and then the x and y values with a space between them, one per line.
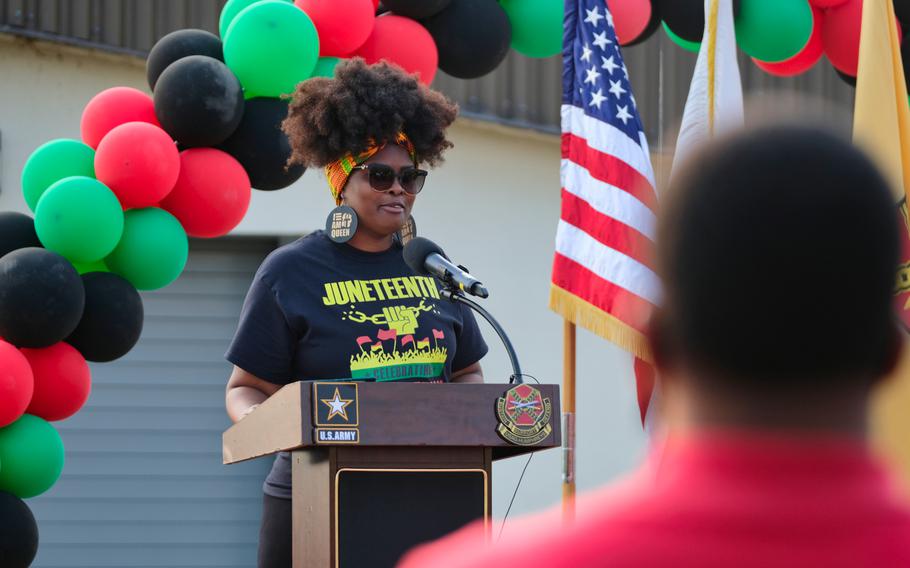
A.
pixel 425 257
pixel 458 297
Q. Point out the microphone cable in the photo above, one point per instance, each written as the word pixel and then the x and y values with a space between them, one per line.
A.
pixel 520 477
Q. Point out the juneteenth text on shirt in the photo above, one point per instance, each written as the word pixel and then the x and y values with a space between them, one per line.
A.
pixel 379 290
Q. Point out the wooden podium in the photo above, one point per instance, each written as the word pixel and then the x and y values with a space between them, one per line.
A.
pixel 380 467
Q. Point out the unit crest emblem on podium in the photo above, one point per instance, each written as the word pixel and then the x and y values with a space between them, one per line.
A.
pixel 524 416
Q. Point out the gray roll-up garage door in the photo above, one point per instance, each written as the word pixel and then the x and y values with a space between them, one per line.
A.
pixel 143 484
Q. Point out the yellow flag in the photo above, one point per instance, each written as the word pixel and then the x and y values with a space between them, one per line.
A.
pixel 881 126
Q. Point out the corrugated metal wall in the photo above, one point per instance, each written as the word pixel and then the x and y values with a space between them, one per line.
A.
pixel 143 485
pixel 522 92
pixel 127 26
pixel 661 73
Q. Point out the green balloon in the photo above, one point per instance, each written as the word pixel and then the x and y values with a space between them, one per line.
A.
pixel 32 454
pixel 80 218
pixel 325 67
pixel 271 46
pixel 52 162
pixel 230 11
pixel 153 250
pixel 86 267
pixel 536 26
pixel 773 30
pixel 692 46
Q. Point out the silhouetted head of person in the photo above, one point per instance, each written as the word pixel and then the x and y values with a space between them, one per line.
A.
pixel 778 249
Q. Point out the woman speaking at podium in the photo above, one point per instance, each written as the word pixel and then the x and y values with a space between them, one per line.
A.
pixel 342 303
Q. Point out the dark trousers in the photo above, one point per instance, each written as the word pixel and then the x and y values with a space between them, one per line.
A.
pixel 275 533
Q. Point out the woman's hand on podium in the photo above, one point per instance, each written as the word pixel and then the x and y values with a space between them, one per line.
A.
pixel 247 412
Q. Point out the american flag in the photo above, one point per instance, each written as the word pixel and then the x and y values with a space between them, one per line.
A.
pixel 603 272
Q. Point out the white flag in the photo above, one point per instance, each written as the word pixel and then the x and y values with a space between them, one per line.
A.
pixel 714 106
pixel 715 103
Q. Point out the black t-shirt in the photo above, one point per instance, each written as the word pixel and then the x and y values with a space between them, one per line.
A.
pixel 322 310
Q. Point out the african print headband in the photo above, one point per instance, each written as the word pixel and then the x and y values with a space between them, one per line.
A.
pixel 337 172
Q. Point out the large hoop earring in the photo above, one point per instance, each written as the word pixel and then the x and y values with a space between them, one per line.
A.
pixel 404 235
pixel 341 224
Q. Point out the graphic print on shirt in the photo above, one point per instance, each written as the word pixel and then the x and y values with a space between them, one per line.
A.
pixel 393 346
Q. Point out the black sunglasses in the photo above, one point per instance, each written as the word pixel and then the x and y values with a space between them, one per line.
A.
pixel 383 176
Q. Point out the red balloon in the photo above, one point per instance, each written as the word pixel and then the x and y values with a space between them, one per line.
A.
pixel 404 42
pixel 805 59
pixel 343 25
pixel 630 18
pixel 212 193
pixel 840 34
pixel 139 162
pixel 826 3
pixel 113 107
pixel 17 384
pixel 62 381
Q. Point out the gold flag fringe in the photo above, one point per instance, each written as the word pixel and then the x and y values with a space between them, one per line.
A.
pixel 592 318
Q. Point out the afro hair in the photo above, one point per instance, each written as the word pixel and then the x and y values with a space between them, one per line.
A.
pixel 330 118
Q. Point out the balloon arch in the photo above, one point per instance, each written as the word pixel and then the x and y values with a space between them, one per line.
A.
pixel 114 210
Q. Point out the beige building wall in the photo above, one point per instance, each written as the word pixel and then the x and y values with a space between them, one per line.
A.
pixel 493 206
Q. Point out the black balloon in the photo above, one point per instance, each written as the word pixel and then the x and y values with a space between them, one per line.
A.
pixel 260 145
pixel 416 9
pixel 686 17
pixel 849 79
pixel 41 298
pixel 112 320
pixel 472 37
pixel 177 45
pixel 652 26
pixel 17 231
pixel 902 11
pixel 198 101
pixel 19 533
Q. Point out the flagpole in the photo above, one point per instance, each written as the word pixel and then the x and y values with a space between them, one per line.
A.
pixel 568 414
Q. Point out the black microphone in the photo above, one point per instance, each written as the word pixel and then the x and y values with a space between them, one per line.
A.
pixel 426 258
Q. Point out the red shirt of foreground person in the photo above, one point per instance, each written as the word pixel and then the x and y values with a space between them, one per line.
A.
pixel 713 501
pixel 775 329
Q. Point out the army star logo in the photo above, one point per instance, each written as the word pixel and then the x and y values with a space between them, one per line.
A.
pixel 337 405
